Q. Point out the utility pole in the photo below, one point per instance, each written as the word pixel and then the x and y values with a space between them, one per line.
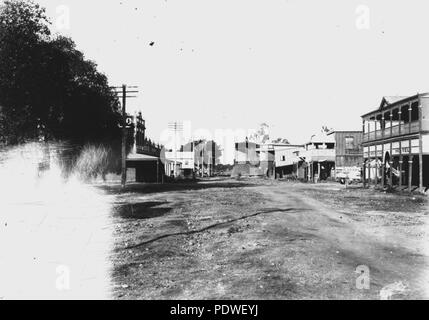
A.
pixel 193 157
pixel 175 126
pixel 124 136
pixel 122 92
pixel 202 162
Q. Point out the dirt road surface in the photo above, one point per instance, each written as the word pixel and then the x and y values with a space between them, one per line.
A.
pixel 227 239
pixel 214 239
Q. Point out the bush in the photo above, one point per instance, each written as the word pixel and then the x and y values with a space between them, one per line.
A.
pixel 94 161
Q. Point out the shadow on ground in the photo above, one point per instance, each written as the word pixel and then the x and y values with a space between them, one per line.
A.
pixel 140 210
pixel 143 188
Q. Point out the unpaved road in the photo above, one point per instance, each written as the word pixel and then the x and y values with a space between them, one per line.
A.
pixel 268 240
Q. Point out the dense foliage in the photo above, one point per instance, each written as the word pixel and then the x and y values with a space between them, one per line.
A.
pixel 47 87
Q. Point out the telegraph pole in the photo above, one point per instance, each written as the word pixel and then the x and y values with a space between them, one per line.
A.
pixel 122 92
pixel 176 126
pixel 124 136
pixel 202 162
pixel 193 156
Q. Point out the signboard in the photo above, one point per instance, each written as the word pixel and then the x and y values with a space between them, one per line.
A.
pixel 353 173
pixel 129 121
pixel 405 149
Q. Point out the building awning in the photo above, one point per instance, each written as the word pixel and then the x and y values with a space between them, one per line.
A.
pixel 317 159
pixel 135 157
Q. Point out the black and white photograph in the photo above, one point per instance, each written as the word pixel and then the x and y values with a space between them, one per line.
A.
pixel 235 151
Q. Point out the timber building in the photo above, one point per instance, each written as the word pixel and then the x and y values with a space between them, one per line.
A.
pixel 396 143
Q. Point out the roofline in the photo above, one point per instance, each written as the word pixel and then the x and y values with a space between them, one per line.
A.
pixel 297 147
pixel 285 145
pixel 318 141
pixel 343 131
pixel 142 160
pixel 418 95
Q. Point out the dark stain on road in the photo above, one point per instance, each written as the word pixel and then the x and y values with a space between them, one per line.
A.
pixel 169 187
pixel 141 210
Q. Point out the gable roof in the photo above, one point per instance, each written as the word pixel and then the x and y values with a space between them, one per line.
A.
pixel 388 100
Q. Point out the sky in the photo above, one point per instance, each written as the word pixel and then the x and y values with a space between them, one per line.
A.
pixel 296 65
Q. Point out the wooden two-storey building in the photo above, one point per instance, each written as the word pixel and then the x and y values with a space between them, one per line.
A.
pixel 396 143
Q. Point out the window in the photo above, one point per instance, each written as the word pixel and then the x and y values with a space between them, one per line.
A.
pixel 350 143
pixel 283 158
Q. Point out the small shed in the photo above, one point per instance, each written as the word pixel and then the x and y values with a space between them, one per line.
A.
pixel 148 168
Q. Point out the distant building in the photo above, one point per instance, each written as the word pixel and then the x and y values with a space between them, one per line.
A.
pixel 276 159
pixel 319 157
pixel 205 158
pixel 330 154
pixel 245 152
pixel 348 154
pixel 195 158
pixel 348 148
pixel 246 160
pixel 254 159
pixel 185 163
pixel 144 160
pixel 288 162
pixel 173 168
pixel 145 168
pixel 396 143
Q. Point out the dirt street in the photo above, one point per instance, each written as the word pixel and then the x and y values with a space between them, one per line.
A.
pixel 263 239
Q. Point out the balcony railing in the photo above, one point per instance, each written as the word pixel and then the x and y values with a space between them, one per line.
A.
pixel 405 128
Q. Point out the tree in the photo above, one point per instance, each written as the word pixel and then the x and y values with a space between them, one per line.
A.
pixel 262 135
pixel 89 100
pixel 281 140
pixel 45 82
pixel 23 27
pixel 326 129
